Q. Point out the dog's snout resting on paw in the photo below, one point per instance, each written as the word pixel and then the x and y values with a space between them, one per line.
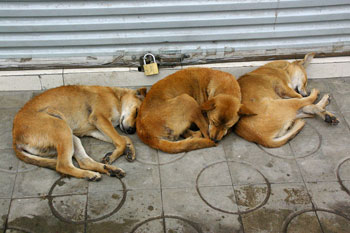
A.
pixel 46 130
pixel 276 93
pixel 207 98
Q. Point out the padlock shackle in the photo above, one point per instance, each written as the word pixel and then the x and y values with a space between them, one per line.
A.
pixel 148 54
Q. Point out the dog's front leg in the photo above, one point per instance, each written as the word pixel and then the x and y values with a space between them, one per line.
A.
pixel 121 143
pixel 130 153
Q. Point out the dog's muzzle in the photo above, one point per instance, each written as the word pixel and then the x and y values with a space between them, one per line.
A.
pixel 130 130
pixel 304 94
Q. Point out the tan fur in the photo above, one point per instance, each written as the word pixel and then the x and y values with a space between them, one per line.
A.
pixel 176 102
pixel 48 125
pixel 270 93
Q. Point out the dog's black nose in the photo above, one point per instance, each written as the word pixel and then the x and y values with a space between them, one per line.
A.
pixel 131 130
pixel 214 139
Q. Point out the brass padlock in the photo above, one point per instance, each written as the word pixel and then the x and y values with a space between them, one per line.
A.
pixel 151 68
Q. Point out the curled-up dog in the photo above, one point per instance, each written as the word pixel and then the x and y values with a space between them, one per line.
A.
pixel 46 130
pixel 193 98
pixel 276 93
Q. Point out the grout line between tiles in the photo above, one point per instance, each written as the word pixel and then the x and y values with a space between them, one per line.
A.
pixel 233 190
pixel 86 209
pixel 161 192
pixel 306 187
pixel 13 190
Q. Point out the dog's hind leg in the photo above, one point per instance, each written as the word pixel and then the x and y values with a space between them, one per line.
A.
pixel 192 134
pixel 187 107
pixel 319 109
pixel 291 122
pixel 284 91
pixel 87 163
pixel 296 103
pixel 289 134
pixel 65 151
pixel 27 155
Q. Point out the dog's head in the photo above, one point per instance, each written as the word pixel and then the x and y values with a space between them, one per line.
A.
pixel 223 112
pixel 298 74
pixel 131 102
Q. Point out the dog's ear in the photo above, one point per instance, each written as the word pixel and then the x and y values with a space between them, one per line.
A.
pixel 141 92
pixel 307 59
pixel 245 111
pixel 208 105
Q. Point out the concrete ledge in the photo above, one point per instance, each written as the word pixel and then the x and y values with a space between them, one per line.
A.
pixel 332 67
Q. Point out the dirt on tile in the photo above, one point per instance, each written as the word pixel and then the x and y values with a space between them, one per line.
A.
pixel 296 196
pixel 250 196
pixel 112 226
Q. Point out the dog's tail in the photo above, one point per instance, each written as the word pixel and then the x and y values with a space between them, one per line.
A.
pixel 291 133
pixel 25 155
pixel 184 145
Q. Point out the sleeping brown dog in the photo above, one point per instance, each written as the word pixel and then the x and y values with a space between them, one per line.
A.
pixel 46 130
pixel 275 92
pixel 178 101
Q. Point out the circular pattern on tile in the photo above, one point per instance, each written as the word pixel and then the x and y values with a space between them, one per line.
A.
pixel 252 170
pixel 294 215
pixel 193 225
pixel 346 189
pixel 297 148
pixel 57 214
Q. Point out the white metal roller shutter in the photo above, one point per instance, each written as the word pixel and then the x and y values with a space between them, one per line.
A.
pixel 86 33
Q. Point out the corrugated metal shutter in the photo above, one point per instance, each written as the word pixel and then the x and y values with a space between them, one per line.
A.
pixel 191 31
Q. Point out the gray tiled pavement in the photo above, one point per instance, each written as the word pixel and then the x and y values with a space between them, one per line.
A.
pixel 237 186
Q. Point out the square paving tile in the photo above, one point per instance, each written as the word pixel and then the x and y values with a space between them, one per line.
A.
pixel 184 172
pixel 332 205
pixel 7 116
pixel 341 91
pixel 14 99
pixel 34 183
pixel 277 165
pixel 6 139
pixel 139 207
pixel 332 223
pixel 323 85
pixel 138 174
pixel 9 161
pixel 346 115
pixel 187 204
pixel 34 215
pixel 329 195
pixel 321 165
pixel 7 181
pixel 4 209
pixel 285 199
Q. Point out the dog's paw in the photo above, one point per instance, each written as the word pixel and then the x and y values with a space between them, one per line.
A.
pixel 328 99
pixel 94 177
pixel 107 158
pixel 129 153
pixel 331 119
pixel 115 172
pixel 315 92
